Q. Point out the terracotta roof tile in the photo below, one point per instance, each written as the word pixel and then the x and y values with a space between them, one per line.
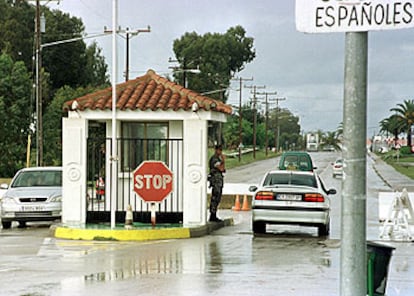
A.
pixel 149 91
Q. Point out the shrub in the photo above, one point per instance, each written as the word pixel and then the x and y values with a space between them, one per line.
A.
pixel 405 150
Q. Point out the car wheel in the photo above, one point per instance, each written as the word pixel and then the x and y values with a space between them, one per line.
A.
pixel 6 224
pixel 22 224
pixel 259 227
pixel 323 230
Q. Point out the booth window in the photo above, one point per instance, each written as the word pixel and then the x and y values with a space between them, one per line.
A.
pixel 143 141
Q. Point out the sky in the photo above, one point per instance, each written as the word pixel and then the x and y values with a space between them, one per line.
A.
pixel 305 69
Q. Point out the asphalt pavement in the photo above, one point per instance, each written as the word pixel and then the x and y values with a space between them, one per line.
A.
pixel 229 261
pixel 401 269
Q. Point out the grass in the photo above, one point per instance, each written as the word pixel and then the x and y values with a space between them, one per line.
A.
pixel 5 180
pixel 401 164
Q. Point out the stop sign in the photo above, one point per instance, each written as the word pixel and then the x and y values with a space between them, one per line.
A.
pixel 153 181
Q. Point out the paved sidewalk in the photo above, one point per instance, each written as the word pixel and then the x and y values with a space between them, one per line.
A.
pixel 400 273
pixel 390 176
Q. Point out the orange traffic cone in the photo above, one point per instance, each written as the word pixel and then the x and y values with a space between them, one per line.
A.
pixel 245 206
pixel 237 204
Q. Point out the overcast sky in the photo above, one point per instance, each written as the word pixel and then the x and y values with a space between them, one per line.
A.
pixel 306 69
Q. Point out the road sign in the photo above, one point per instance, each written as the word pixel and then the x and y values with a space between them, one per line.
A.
pixel 153 181
pixel 324 16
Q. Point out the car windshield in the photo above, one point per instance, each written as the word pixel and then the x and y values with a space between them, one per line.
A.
pixel 274 179
pixel 38 179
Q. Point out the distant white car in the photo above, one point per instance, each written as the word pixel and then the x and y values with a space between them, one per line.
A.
pixel 291 197
pixel 338 167
pixel 34 194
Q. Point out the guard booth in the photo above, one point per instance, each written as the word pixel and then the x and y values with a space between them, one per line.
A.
pixel 156 120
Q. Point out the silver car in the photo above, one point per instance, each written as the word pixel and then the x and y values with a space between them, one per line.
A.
pixel 34 194
pixel 291 197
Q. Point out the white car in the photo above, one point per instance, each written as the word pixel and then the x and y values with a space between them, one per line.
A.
pixel 34 194
pixel 291 197
pixel 337 168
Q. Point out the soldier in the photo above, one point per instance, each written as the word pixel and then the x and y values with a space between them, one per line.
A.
pixel 217 168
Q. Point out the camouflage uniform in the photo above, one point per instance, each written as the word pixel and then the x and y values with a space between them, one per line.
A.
pixel 216 182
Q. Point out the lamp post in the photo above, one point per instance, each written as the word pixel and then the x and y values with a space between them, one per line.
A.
pixel 183 70
pixel 114 148
pixel 38 84
pixel 179 70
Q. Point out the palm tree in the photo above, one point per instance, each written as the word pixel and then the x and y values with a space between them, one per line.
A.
pixel 331 139
pixel 340 129
pixel 392 125
pixel 405 116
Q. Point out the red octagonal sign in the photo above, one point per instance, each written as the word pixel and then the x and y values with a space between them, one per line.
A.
pixel 153 181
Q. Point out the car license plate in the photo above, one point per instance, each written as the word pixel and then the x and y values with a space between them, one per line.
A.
pixel 291 197
pixel 32 208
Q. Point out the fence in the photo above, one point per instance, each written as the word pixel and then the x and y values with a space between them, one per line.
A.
pixel 132 152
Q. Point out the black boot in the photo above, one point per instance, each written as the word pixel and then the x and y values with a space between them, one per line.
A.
pixel 213 218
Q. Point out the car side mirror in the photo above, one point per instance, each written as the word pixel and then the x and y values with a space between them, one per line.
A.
pixel 4 186
pixel 252 188
pixel 332 191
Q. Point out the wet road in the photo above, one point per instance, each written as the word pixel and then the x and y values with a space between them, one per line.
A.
pixel 286 261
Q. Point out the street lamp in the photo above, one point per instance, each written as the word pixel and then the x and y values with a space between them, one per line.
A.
pixel 193 71
pixel 38 85
pixel 184 69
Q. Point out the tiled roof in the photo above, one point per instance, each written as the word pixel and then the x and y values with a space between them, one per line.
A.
pixel 149 91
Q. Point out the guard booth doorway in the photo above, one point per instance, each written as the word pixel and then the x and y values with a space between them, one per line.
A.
pixel 139 141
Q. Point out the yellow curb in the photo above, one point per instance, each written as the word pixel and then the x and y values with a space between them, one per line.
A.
pixel 121 235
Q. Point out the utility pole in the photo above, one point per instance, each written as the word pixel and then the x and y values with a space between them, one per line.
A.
pixel 128 35
pixel 39 129
pixel 254 102
pixel 39 29
pixel 277 123
pixel 267 115
pixel 240 79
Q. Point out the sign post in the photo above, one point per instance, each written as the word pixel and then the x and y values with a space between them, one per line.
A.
pixel 153 183
pixel 353 217
pixel 355 18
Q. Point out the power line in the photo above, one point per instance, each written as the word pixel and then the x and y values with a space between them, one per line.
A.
pixel 128 35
